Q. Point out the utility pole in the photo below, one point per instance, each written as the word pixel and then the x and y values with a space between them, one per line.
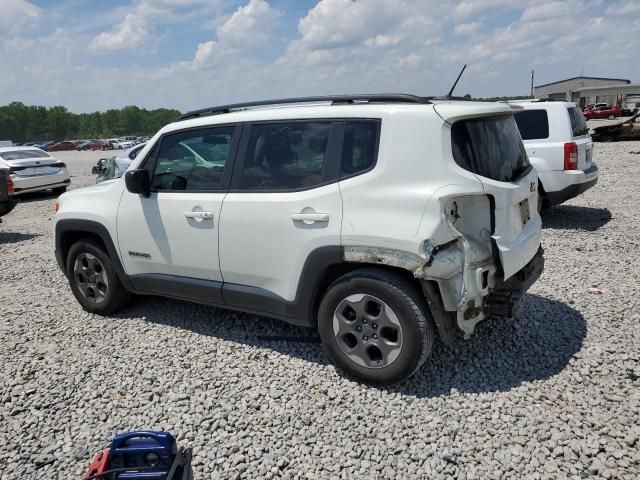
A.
pixel 531 83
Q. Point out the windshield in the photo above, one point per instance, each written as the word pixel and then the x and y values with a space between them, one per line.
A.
pixel 578 124
pixel 23 154
pixel 490 147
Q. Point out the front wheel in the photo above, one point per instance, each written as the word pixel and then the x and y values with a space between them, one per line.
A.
pixel 59 190
pixel 611 117
pixel 376 326
pixel 93 279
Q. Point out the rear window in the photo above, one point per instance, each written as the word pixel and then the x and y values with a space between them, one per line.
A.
pixel 490 147
pixel 578 124
pixel 23 154
pixel 533 124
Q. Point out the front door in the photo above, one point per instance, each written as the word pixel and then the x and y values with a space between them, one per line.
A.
pixel 174 232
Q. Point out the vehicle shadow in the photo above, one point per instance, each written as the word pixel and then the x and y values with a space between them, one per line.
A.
pixel 500 356
pixel 13 237
pixel 503 354
pixel 571 217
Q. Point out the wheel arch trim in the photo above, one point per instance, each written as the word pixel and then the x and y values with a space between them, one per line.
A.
pixel 68 230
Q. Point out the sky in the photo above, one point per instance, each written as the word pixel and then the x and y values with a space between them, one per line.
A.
pixel 93 55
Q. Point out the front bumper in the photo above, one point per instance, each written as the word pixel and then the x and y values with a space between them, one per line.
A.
pixel 505 300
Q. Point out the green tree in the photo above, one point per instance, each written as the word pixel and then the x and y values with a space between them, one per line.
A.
pixel 22 123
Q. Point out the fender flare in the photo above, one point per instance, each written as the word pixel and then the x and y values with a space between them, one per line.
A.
pixel 74 228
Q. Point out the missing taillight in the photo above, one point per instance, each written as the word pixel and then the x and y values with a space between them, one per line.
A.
pixel 570 156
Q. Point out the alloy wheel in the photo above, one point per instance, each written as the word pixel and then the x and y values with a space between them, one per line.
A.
pixel 90 277
pixel 368 331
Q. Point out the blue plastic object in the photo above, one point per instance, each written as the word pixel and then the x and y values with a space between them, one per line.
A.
pixel 145 455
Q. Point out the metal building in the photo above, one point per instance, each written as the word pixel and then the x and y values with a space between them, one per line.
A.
pixel 570 89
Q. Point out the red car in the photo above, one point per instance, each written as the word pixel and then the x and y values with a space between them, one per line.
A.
pixel 606 111
pixel 100 145
pixel 61 146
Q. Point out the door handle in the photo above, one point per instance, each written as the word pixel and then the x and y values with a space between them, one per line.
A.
pixel 202 215
pixel 310 217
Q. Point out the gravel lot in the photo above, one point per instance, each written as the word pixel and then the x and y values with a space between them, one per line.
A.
pixel 552 395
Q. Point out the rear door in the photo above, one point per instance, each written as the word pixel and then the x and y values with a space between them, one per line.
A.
pixel 283 204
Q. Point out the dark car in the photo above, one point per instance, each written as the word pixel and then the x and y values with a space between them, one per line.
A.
pixel 606 111
pixel 7 202
pixel 83 146
pixel 101 145
pixel 56 147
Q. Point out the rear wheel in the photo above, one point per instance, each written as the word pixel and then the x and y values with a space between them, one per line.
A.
pixel 59 190
pixel 93 279
pixel 375 326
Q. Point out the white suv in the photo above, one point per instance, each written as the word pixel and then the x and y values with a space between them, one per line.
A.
pixel 376 219
pixel 557 141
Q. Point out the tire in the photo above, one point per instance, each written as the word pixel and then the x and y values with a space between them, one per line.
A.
pixel 354 305
pixel 59 190
pixel 108 293
pixel 611 117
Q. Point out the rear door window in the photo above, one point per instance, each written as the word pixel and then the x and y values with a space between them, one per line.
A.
pixel 286 156
pixel 360 146
pixel 578 124
pixel 490 147
pixel 533 124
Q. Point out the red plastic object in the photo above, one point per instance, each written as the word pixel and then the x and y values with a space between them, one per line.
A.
pixel 99 464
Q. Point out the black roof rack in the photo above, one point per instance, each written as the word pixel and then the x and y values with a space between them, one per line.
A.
pixel 444 98
pixel 333 99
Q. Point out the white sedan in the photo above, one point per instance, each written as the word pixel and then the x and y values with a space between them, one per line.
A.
pixel 34 170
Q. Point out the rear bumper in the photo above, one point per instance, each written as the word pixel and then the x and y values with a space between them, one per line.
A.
pixel 36 184
pixel 6 206
pixel 505 300
pixel 560 186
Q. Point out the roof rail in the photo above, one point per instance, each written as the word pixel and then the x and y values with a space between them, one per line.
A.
pixel 333 99
pixel 444 98
pixel 533 100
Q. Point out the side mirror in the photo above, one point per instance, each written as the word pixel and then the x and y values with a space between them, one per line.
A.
pixel 138 181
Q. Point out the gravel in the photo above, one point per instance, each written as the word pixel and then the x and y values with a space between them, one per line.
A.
pixel 552 395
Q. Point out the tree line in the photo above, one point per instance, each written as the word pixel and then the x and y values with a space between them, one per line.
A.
pixel 25 123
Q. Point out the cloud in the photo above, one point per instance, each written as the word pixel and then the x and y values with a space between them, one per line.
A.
pixel 136 29
pixel 465 29
pixel 623 7
pixel 468 8
pixel 237 51
pixel 338 23
pixel 249 28
pixel 16 14
pixel 131 33
pixel 204 54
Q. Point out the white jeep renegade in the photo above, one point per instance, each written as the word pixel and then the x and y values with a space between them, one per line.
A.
pixel 378 219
